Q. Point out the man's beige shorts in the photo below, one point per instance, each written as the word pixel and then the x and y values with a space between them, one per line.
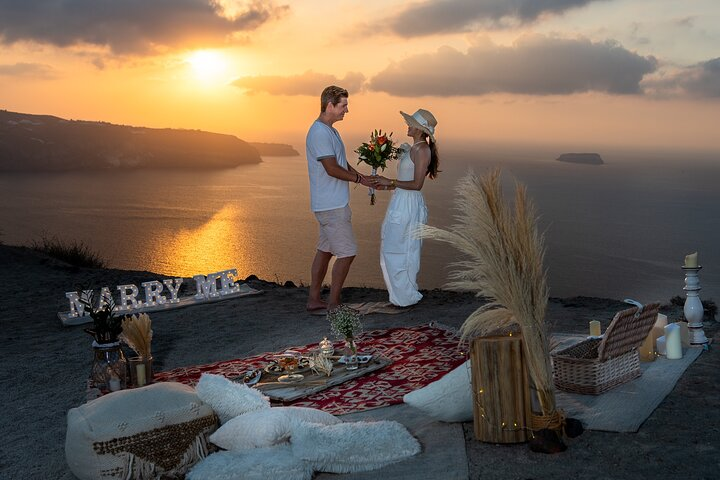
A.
pixel 336 235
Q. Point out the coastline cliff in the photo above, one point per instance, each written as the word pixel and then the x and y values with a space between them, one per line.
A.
pixel 47 143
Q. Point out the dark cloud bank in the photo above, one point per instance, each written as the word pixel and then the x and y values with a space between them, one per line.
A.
pixel 443 16
pixel 129 26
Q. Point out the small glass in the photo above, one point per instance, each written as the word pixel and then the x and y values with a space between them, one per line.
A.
pixel 141 371
pixel 351 357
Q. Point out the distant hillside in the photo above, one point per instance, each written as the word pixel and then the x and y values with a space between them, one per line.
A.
pixel 584 158
pixel 275 149
pixel 47 143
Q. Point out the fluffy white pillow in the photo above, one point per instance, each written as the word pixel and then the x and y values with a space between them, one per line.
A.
pixel 353 446
pixel 449 399
pixel 266 427
pixel 229 399
pixel 274 463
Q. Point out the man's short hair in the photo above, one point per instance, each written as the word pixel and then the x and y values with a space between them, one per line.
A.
pixel 332 94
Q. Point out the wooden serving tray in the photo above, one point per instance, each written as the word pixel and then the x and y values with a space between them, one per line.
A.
pixel 312 383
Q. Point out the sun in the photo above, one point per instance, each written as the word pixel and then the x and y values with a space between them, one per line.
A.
pixel 208 66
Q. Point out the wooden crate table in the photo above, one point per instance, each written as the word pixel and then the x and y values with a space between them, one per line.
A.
pixel 313 383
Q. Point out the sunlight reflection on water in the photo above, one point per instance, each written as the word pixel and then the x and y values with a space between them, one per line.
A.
pixel 619 230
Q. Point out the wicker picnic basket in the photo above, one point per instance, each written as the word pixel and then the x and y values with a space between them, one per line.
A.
pixel 596 365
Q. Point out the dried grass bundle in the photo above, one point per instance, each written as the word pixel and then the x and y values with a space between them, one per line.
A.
pixel 321 364
pixel 137 334
pixel 504 263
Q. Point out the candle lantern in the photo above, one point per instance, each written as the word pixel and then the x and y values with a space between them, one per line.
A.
pixel 326 347
pixel 693 307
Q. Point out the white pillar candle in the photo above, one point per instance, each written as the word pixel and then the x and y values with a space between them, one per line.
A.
pixel 140 374
pixel 660 342
pixel 691 261
pixel 114 384
pixel 594 328
pixel 673 342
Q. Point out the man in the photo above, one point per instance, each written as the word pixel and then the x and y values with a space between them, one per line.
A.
pixel 329 174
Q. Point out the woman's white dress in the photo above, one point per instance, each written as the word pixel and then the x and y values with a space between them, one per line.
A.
pixel 399 248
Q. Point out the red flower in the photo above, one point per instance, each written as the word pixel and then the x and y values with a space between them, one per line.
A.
pixel 381 139
pixel 371 147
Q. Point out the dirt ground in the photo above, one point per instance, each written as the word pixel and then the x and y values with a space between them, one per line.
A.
pixel 44 366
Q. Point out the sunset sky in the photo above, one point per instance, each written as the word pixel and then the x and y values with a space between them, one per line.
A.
pixel 571 72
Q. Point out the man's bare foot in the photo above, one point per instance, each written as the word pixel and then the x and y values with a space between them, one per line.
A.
pixel 315 306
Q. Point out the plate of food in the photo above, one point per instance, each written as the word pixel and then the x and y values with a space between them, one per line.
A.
pixel 361 358
pixel 251 377
pixel 274 367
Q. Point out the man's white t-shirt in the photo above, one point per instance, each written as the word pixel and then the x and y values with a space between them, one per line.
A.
pixel 326 192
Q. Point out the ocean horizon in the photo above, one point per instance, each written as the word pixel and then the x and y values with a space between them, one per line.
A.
pixel 618 230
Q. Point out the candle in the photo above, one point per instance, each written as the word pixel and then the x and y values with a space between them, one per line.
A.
pixel 647 349
pixel 691 261
pixel 661 347
pixel 673 343
pixel 140 374
pixel 684 334
pixel 659 327
pixel 114 384
pixel 594 328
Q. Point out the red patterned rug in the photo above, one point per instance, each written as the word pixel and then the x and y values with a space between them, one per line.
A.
pixel 420 356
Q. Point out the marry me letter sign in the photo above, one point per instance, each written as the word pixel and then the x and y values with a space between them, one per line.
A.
pixel 159 295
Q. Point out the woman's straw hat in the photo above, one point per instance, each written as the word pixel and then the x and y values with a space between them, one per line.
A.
pixel 423 120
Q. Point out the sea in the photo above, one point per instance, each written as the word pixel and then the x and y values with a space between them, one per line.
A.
pixel 618 230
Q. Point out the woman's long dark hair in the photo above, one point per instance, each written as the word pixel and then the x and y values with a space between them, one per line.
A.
pixel 432 170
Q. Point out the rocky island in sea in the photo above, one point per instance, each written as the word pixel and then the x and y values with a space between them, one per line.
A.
pixel 47 143
pixel 583 158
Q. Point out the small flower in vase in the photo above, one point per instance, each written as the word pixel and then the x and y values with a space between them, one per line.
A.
pixel 345 323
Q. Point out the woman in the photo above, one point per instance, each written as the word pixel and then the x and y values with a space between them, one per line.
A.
pixel 399 247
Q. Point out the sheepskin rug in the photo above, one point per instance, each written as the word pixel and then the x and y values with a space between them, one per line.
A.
pixel 273 463
pixel 229 399
pixel 353 446
pixel 266 427
pixel 291 443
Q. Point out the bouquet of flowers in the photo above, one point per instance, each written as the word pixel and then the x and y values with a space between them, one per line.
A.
pixel 376 153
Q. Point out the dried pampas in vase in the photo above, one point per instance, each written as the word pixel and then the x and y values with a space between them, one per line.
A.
pixel 137 334
pixel 504 263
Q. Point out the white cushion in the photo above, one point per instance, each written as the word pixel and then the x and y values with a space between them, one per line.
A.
pixel 229 399
pixel 127 431
pixel 352 446
pixel 448 399
pixel 266 427
pixel 274 463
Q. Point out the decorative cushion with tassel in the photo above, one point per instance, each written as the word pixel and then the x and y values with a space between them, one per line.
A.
pixel 142 433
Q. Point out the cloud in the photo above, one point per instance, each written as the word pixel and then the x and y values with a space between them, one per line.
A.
pixel 534 65
pixel 439 16
pixel 697 81
pixel 34 70
pixel 132 26
pixel 308 83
